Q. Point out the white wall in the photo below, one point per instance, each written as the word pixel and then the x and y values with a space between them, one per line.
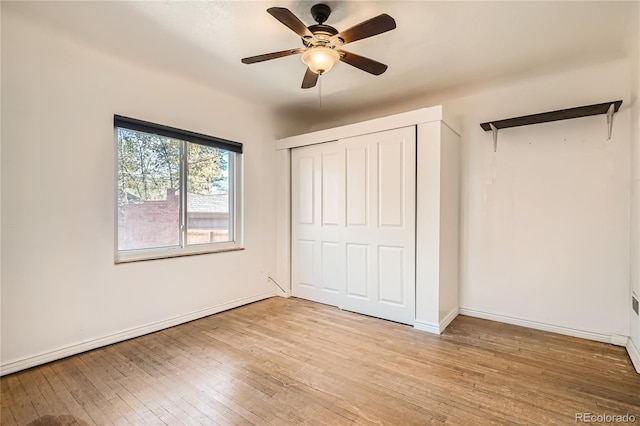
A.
pixel 546 218
pixel 60 286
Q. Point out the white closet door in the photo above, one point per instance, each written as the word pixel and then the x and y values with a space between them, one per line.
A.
pixel 353 224
pixel 317 216
pixel 380 231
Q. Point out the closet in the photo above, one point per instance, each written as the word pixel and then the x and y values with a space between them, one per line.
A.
pixel 368 218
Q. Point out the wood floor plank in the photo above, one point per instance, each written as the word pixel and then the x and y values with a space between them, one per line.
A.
pixel 21 405
pixel 62 395
pixel 290 361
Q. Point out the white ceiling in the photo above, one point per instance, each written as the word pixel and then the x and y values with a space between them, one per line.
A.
pixel 436 47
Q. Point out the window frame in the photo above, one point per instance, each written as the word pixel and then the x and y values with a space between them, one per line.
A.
pixel 235 167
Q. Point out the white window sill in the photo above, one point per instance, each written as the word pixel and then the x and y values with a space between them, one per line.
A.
pixel 165 253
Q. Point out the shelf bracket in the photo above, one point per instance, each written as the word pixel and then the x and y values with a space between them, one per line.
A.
pixel 610 113
pixel 494 130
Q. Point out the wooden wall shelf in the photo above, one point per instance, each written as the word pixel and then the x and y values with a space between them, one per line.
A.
pixel 608 108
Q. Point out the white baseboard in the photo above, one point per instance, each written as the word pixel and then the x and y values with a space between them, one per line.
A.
pixel 619 340
pixel 613 339
pixel 429 327
pixel 448 319
pixel 634 354
pixel 43 358
pixel 433 328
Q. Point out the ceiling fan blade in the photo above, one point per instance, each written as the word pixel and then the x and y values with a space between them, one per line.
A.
pixel 290 20
pixel 310 79
pixel 274 55
pixel 374 26
pixel 360 62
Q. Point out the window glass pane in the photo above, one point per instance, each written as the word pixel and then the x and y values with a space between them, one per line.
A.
pixel 148 190
pixel 208 195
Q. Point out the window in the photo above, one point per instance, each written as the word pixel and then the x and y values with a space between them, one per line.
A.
pixel 178 192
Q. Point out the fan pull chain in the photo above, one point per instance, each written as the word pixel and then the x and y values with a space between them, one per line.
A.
pixel 320 90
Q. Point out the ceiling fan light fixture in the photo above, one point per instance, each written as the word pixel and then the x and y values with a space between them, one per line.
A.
pixel 322 43
pixel 320 59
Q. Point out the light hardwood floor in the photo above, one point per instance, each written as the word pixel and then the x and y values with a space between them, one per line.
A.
pixel 289 361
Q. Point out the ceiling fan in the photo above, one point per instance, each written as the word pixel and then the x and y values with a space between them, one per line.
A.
pixel 321 42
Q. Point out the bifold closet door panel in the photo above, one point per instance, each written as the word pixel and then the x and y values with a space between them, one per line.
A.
pixel 380 176
pixel 317 218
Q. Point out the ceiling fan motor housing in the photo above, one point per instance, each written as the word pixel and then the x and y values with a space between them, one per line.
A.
pixel 323 33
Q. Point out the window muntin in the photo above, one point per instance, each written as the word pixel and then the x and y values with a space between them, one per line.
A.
pixel 174 197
